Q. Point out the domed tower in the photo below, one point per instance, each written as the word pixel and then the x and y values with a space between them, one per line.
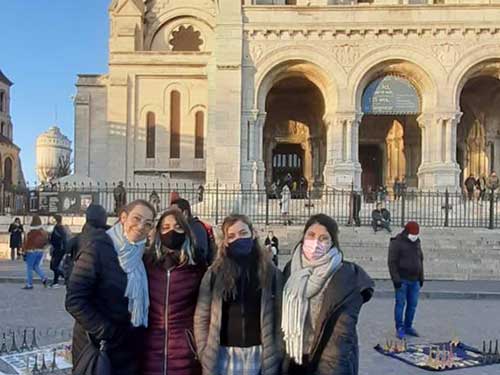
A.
pixel 53 155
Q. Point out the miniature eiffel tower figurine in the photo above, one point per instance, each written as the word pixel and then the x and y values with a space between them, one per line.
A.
pixel 3 349
pixel 13 346
pixel 34 343
pixel 53 366
pixel 24 345
pixel 44 365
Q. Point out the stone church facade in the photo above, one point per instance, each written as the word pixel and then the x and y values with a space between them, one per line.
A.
pixel 333 92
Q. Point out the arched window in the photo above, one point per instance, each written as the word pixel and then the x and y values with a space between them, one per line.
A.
pixel 2 128
pixel 175 125
pixel 150 135
pixel 2 101
pixel 7 171
pixel 199 135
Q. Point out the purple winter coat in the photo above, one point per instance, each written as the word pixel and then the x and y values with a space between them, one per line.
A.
pixel 171 313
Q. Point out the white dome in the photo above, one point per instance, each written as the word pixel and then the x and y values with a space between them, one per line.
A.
pixel 53 149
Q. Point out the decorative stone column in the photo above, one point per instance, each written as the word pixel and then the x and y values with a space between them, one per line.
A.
pixel 342 167
pixel 259 147
pixel 439 169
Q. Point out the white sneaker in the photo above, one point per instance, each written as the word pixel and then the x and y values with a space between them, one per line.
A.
pixel 55 286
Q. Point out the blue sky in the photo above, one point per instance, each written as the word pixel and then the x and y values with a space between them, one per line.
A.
pixel 44 45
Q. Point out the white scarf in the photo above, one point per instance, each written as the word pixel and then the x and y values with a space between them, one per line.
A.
pixel 130 257
pixel 307 279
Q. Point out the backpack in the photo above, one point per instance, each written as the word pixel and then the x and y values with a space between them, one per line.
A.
pixel 212 245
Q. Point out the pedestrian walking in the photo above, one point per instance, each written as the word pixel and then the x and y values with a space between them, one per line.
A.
pixel 322 299
pixel 36 240
pixel 175 269
pixel 58 241
pixel 396 189
pixel 108 292
pixel 493 182
pixel 238 313
pixel 406 266
pixel 470 186
pixel 481 187
pixel 16 231
pixel 286 196
pixel 272 244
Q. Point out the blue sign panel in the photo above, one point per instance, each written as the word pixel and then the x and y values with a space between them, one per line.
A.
pixel 391 95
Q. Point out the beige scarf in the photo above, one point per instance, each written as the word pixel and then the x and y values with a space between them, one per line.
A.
pixel 307 279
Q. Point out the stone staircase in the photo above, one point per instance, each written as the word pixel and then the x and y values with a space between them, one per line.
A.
pixel 450 253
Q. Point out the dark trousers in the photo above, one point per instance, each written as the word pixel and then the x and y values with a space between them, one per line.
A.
pixel 406 296
pixel 379 225
pixel 54 266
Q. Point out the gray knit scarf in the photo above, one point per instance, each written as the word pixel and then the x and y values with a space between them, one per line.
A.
pixel 307 279
pixel 130 257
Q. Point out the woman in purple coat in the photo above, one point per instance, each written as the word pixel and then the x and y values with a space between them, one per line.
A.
pixel 175 270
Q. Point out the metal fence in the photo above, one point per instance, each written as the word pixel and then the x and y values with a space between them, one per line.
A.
pixel 213 203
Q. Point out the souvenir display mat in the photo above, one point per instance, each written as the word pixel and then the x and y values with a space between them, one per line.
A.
pixel 441 356
pixel 51 359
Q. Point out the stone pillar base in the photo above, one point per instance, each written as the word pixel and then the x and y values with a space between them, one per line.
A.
pixel 439 177
pixel 341 175
pixel 247 175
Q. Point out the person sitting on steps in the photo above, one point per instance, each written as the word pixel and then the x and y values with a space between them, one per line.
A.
pixel 381 218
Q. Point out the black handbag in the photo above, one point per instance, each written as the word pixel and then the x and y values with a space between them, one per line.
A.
pixel 93 360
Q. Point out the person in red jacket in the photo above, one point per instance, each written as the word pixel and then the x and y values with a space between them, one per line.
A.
pixel 175 270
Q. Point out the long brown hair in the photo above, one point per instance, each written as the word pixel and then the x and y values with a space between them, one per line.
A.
pixel 229 269
pixel 158 252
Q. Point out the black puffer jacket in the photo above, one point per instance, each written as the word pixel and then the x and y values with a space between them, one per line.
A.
pixel 95 298
pixel 406 260
pixel 335 344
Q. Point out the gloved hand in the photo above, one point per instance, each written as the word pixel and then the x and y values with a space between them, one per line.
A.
pixel 397 285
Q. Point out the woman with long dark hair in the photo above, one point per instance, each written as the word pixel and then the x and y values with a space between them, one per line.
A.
pixel 237 320
pixel 322 299
pixel 107 293
pixel 174 270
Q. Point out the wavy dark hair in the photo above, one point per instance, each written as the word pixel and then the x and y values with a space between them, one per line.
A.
pixel 229 269
pixel 158 252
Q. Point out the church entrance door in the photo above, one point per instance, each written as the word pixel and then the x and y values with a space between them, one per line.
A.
pixel 372 164
pixel 288 158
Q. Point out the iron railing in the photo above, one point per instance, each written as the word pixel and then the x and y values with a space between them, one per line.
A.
pixel 214 202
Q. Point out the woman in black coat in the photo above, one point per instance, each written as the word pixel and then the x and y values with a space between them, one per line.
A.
pixel 322 299
pixel 16 238
pixel 109 305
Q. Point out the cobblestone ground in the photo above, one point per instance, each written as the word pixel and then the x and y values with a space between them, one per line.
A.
pixel 437 320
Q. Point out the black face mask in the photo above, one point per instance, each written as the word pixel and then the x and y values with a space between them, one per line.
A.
pixel 173 240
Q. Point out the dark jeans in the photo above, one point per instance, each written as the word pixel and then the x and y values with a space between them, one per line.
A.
pixel 54 266
pixel 406 295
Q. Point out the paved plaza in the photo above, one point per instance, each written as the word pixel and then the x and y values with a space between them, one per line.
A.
pixel 437 320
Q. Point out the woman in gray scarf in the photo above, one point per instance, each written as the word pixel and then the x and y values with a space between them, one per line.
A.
pixel 322 299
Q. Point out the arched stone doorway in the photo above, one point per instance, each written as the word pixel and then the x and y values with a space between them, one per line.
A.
pixel 478 133
pixel 389 135
pixel 294 132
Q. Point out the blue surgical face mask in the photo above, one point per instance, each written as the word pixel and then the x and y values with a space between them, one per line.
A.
pixel 241 247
